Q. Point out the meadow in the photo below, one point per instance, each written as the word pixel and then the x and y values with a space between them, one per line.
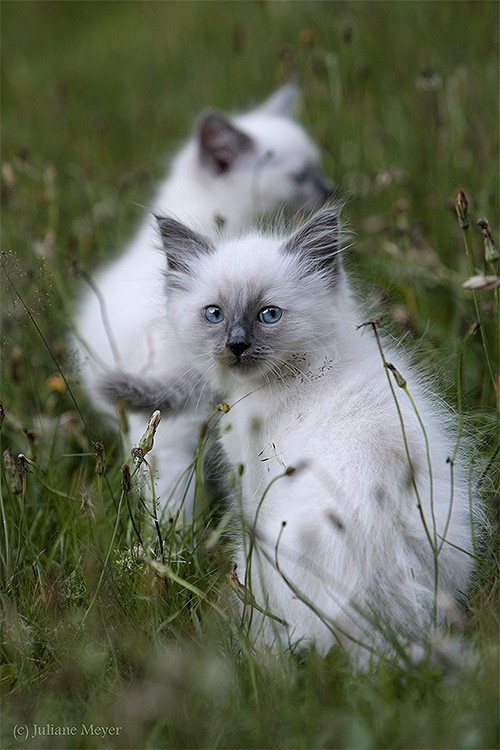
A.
pixel 101 647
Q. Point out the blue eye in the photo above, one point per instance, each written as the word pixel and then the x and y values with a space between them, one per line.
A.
pixel 270 314
pixel 300 177
pixel 214 314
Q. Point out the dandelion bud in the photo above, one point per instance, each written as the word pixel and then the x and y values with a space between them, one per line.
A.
pixel 397 375
pixel 126 479
pixel 12 472
pixel 100 466
pixel 240 590
pixel 23 465
pixel 490 251
pixel 147 440
pixel 462 209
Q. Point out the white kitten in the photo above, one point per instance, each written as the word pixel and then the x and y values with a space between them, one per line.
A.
pixel 232 171
pixel 330 494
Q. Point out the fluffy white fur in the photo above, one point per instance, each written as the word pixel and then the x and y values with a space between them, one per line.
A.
pixel 232 171
pixel 327 489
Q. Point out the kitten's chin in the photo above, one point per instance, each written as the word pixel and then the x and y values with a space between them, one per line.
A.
pixel 242 369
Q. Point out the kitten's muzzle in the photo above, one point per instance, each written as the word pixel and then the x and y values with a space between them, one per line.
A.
pixel 238 346
pixel 238 340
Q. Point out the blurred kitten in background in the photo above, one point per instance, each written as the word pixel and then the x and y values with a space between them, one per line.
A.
pixel 231 173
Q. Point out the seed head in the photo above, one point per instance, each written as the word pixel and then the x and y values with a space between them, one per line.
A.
pixel 462 209
pixel 240 590
pixel 397 375
pixel 490 251
pixel 147 440
pixel 23 464
pixel 481 282
pixel 12 472
pixel 100 453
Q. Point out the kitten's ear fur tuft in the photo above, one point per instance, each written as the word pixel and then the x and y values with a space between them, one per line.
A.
pixel 181 244
pixel 319 241
pixel 285 102
pixel 221 142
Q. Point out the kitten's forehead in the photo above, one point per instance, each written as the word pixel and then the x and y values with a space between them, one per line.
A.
pixel 279 134
pixel 246 265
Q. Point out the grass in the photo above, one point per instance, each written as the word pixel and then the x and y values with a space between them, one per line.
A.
pixel 403 99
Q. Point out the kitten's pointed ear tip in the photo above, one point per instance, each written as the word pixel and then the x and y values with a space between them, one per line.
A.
pixel 164 222
pixel 285 101
pixel 170 227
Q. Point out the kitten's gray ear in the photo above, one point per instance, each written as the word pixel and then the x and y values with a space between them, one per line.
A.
pixel 319 241
pixel 285 102
pixel 181 245
pixel 221 142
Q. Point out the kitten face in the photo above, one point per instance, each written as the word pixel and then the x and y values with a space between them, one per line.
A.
pixel 286 168
pixel 265 156
pixel 255 307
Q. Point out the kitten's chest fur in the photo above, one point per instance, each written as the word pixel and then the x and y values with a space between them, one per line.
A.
pixel 321 425
pixel 268 432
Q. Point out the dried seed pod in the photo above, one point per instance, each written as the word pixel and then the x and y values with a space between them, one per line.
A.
pixel 490 251
pixel 397 375
pixel 462 209
pixel 100 453
pixel 147 440
pixel 481 282
pixel 13 472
